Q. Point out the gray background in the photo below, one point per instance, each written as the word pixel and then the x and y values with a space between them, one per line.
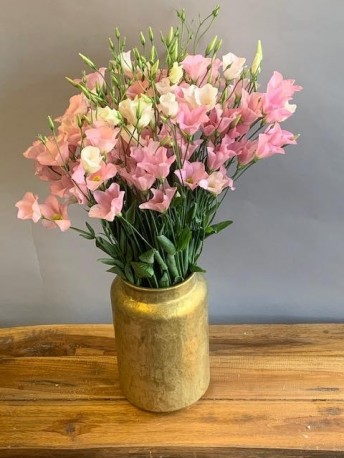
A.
pixel 282 259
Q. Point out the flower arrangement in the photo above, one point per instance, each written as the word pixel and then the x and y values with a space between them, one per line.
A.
pixel 151 149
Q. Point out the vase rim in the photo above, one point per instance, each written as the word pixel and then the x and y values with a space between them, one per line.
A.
pixel 169 288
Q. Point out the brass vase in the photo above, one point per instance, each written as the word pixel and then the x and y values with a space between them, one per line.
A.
pixel 162 343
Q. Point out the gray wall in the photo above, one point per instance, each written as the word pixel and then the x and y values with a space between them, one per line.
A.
pixel 281 260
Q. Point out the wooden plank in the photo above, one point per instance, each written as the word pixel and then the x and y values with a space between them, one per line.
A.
pixel 167 452
pixel 82 340
pixel 232 377
pixel 250 424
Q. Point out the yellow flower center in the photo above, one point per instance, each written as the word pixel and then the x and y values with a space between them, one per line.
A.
pixel 57 217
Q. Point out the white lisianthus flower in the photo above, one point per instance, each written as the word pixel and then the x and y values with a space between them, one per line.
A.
pixel 201 96
pixel 169 105
pixel 126 64
pixel 189 95
pixel 176 73
pixel 164 86
pixel 232 66
pixel 91 159
pixel 206 96
pixel 138 112
pixel 108 115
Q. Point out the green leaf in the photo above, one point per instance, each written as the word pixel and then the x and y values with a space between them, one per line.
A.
pixel 216 228
pixel 184 239
pixel 147 257
pixel 143 270
pixel 160 260
pixel 195 268
pixel 130 213
pixel 116 270
pixel 164 281
pixel 112 262
pixel 166 244
pixel 90 228
pixel 129 273
pixel 106 246
pixel 172 265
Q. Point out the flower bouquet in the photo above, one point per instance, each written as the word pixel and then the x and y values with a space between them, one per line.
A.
pixel 151 146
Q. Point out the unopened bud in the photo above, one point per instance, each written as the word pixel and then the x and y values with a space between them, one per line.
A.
pixel 216 11
pixel 117 33
pixel 142 38
pixel 211 46
pixel 112 46
pixel 88 61
pixel 51 123
pixel 150 33
pixel 255 68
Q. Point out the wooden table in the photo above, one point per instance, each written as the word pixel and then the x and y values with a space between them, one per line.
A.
pixel 276 391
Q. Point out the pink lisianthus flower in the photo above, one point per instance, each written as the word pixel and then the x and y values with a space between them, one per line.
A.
pixel 272 141
pixel 216 182
pixel 276 105
pixel 28 207
pixel 106 171
pixel 55 152
pixel 218 156
pixel 250 107
pixel 54 214
pixel 103 137
pixel 196 66
pixel 138 177
pixel 153 159
pixel 94 79
pixel 69 129
pixel 191 120
pixel 218 121
pixel 34 150
pixel 61 187
pixel 109 203
pixel 160 201
pixel 245 150
pixel 191 174
pixel 46 173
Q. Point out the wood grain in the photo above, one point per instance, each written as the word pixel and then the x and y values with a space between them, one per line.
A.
pixel 276 391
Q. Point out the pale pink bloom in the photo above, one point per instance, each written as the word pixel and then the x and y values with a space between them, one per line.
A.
pixel 191 174
pixel 250 106
pixel 245 150
pixel 218 121
pixel 109 203
pixel 106 171
pixel 34 150
pixel 78 105
pixel 126 63
pixel 103 137
pixel 272 141
pixel 54 153
pixel 90 159
pixel 61 187
pixel 153 159
pixel 95 79
pixel 191 120
pixel 46 173
pixel 28 207
pixel 220 155
pixel 160 201
pixel 196 66
pixel 78 194
pixel 232 66
pixel 138 177
pixel 204 96
pixel 164 86
pixel 55 214
pixel 137 88
pixel 216 182
pixel 276 98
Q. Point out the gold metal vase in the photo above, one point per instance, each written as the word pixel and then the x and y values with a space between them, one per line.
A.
pixel 162 343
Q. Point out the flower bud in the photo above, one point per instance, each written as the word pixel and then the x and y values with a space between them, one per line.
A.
pixel 117 33
pixel 211 46
pixel 255 68
pixel 216 11
pixel 51 123
pixel 142 38
pixel 88 61
pixel 150 34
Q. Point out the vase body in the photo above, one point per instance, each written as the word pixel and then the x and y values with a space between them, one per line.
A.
pixel 162 343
